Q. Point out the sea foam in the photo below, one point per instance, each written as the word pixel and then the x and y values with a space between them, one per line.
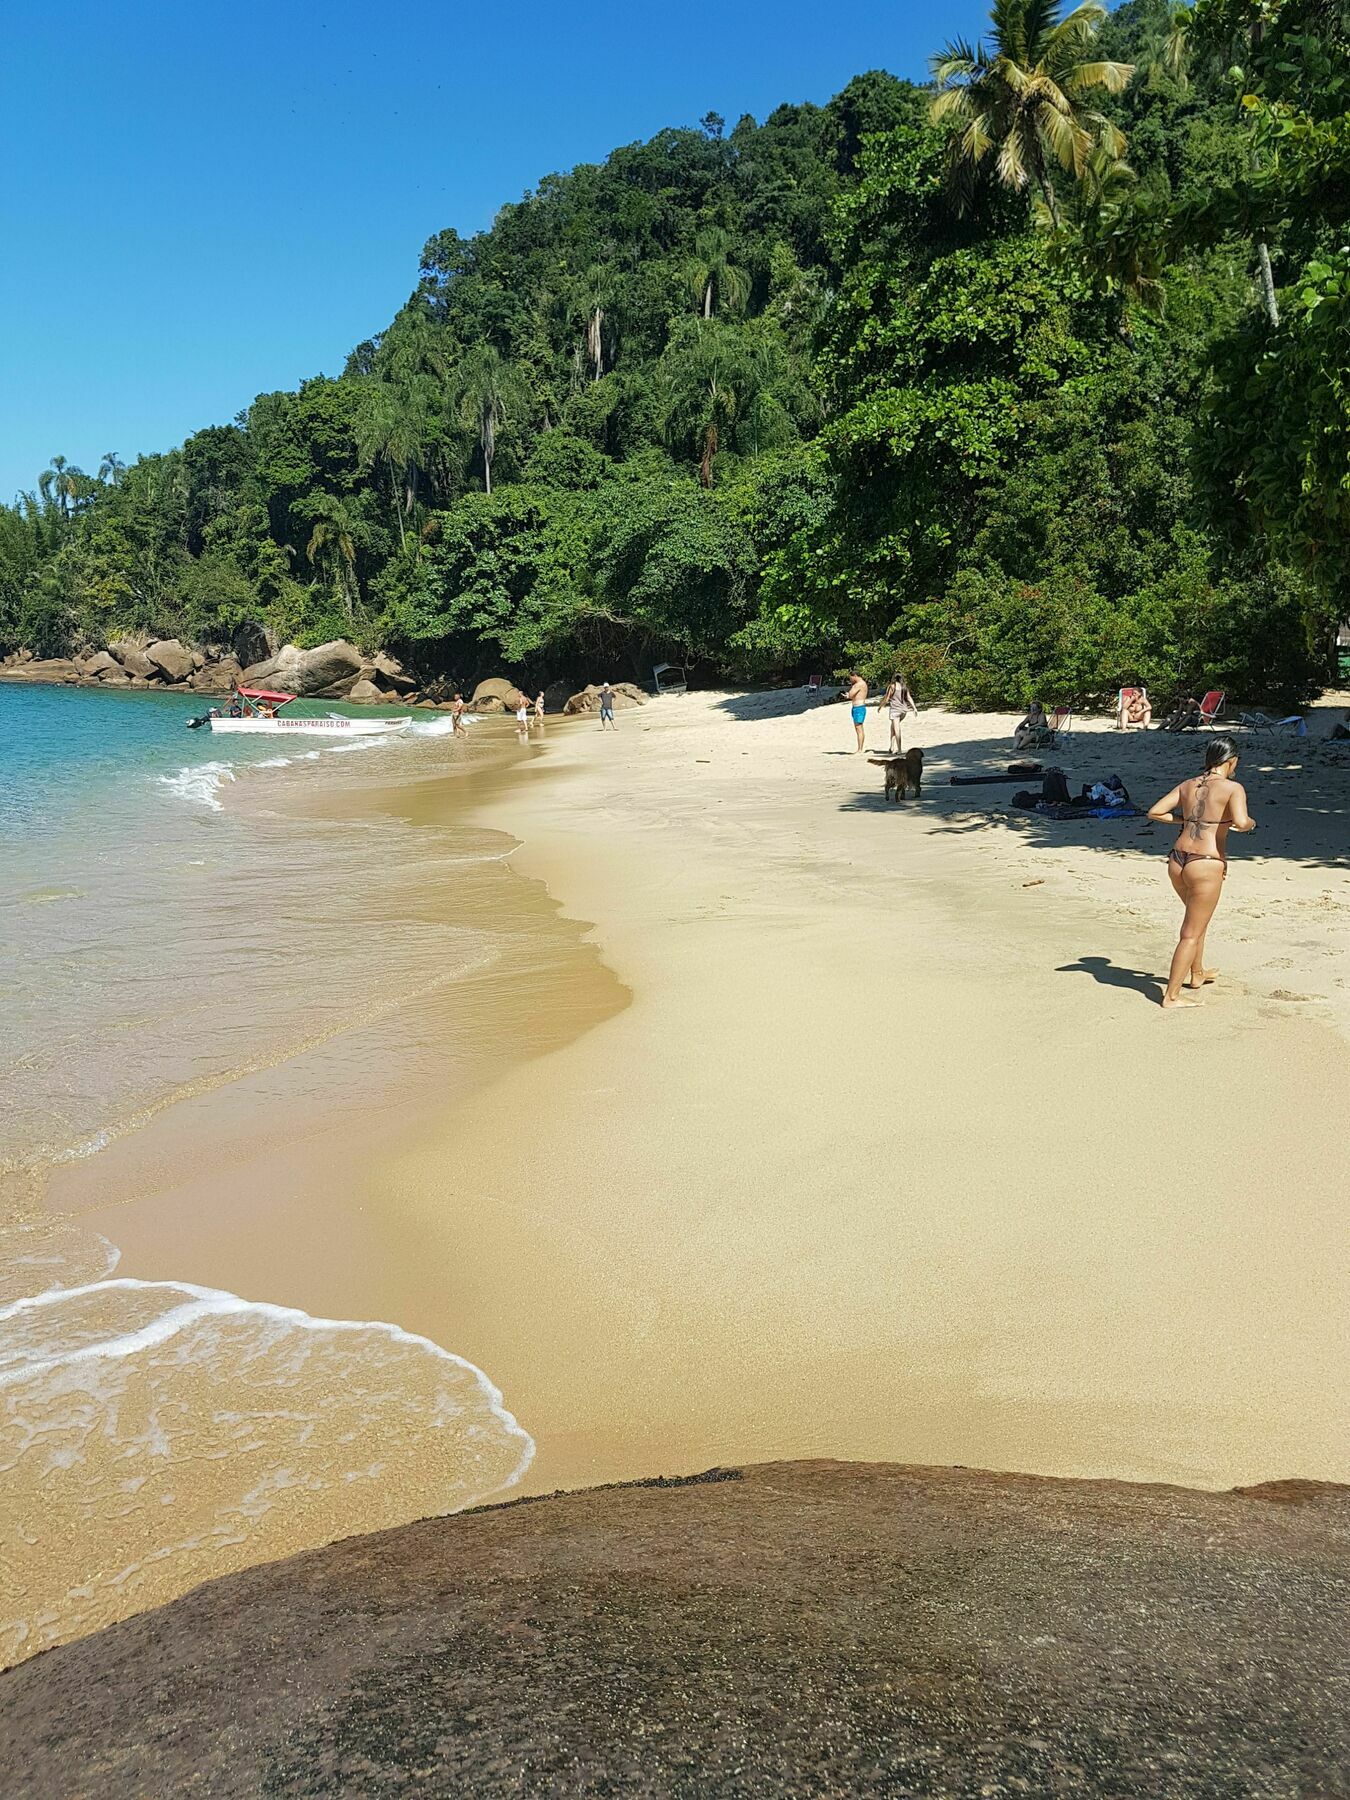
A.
pixel 154 1434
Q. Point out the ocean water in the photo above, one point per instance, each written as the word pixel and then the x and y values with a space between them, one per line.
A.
pixel 176 916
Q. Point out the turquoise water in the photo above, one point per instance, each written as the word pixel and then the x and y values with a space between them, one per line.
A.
pixel 177 915
pixel 148 873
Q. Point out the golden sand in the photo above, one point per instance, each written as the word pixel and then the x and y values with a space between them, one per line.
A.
pixel 893 1154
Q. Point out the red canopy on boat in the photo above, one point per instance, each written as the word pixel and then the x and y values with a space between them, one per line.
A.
pixel 264 694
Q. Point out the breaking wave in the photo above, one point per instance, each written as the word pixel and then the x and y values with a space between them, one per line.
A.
pixel 155 1434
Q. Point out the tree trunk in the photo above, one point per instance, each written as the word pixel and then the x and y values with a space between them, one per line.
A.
pixel 709 452
pixel 708 299
pixel 398 507
pixel 1048 194
pixel 1271 304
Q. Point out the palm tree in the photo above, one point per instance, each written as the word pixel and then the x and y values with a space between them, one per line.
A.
pixel 391 429
pixel 1020 96
pixel 110 469
pixel 489 391
pixel 714 279
pixel 332 547
pixel 63 480
pixel 592 293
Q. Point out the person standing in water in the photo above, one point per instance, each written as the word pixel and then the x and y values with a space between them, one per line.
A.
pixel 855 692
pixel 1211 805
pixel 607 706
pixel 899 702
pixel 539 707
pixel 457 713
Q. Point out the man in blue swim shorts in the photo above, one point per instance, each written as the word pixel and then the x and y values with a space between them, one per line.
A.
pixel 855 692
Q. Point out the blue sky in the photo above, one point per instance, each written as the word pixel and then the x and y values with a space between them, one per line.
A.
pixel 202 202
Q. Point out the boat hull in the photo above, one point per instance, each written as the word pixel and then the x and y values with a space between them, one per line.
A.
pixel 331 727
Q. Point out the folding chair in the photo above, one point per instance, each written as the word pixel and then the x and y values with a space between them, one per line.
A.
pixel 1210 708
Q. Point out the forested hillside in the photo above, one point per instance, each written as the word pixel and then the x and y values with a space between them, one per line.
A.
pixel 1030 380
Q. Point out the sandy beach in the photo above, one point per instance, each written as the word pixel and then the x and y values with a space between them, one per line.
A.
pixel 839 1129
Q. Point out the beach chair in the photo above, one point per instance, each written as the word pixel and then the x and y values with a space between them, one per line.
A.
pixel 1294 724
pixel 1061 719
pixel 1210 708
pixel 813 685
pixel 1123 699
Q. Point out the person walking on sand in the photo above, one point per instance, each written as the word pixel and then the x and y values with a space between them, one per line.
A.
pixel 539 707
pixel 898 702
pixel 522 716
pixel 855 692
pixel 457 714
pixel 607 706
pixel 1211 805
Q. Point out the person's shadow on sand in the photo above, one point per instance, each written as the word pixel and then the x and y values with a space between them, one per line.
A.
pixel 1110 974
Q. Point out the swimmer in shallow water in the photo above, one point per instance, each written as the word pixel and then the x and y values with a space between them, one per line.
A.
pixel 1211 805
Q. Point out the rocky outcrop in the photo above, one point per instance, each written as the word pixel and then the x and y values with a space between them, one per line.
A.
pixel 217 678
pixel 588 700
pixel 333 671
pixel 506 693
pixel 172 659
pixel 309 672
pixel 50 668
pixel 133 659
pixel 390 673
pixel 101 665
pixel 797 1628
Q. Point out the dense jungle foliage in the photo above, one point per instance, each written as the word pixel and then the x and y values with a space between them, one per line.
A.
pixel 1028 381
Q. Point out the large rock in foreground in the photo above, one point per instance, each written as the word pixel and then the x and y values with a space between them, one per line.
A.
pixel 804 1629
pixel 329 669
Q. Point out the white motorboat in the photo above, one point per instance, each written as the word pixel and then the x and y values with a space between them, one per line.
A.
pixel 259 710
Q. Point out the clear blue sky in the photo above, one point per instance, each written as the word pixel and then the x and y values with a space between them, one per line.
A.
pixel 203 201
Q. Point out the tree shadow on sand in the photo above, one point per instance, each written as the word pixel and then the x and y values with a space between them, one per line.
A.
pixel 1299 791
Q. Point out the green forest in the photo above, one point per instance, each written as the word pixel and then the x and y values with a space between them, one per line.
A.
pixel 1028 380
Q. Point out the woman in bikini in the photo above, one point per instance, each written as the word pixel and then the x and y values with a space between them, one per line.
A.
pixel 898 702
pixel 1211 805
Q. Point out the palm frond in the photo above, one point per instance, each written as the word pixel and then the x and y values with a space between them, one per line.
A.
pixel 952 103
pixel 1012 161
pixel 1113 76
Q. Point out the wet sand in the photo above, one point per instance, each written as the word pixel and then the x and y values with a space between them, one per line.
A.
pixel 891 1156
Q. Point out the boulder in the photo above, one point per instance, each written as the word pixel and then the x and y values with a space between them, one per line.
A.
pixel 171 658
pixel 390 672
pixel 253 643
pixel 588 700
pixel 496 689
pixel 216 678
pixel 133 659
pixel 488 704
pixel 198 660
pixel 312 672
pixel 114 677
pixel 103 665
pixel 363 692
pixel 556 696
pixel 51 668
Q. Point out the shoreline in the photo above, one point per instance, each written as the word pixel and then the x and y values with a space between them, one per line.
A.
pixel 645 1232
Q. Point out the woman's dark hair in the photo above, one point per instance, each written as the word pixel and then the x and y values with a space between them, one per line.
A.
pixel 1218 750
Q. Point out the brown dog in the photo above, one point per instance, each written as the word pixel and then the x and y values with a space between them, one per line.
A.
pixel 904 774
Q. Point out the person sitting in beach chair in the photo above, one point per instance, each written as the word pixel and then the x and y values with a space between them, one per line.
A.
pixel 1133 709
pixel 1035 732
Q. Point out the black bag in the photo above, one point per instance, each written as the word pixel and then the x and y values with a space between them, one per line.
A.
pixel 1055 789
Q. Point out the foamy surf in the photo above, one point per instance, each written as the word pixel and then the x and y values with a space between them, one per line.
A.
pixel 200 783
pixel 156 1434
